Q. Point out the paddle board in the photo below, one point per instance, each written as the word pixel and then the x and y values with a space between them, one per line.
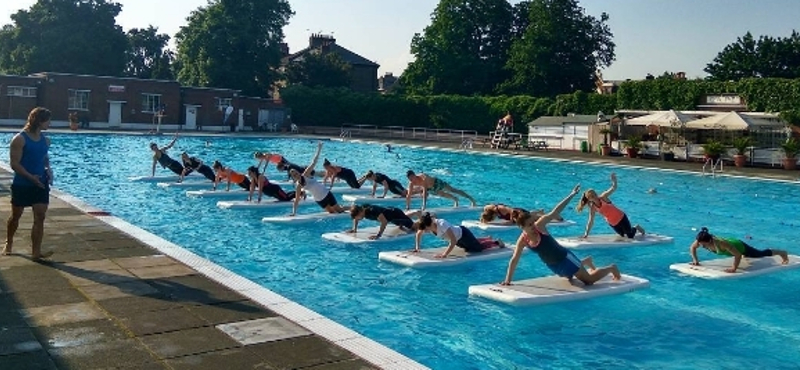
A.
pixel 220 193
pixel 265 203
pixel 319 216
pixel 162 178
pixel 748 267
pixel 367 199
pixel 506 225
pixel 426 258
pixel 613 241
pixel 363 235
pixel 555 289
pixel 186 185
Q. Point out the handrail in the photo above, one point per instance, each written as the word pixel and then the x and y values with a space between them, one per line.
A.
pixel 411 132
pixel 713 166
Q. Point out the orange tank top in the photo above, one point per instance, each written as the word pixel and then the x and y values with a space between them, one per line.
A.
pixel 275 158
pixel 235 177
pixel 610 212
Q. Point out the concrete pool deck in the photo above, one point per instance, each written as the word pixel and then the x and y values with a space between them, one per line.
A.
pixel 107 299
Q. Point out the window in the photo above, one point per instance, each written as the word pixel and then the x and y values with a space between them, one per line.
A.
pixel 78 99
pixel 223 103
pixel 151 103
pixel 21 91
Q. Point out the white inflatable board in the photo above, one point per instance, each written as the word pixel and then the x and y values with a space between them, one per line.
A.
pixel 319 216
pixel 161 178
pixel 612 241
pixel 715 269
pixel 364 199
pixel 186 185
pixel 363 235
pixel 426 258
pixel 555 289
pixel 265 203
pixel 506 225
pixel 220 193
pixel 349 190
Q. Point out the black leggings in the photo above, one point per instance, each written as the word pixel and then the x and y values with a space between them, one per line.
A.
pixel 469 242
pixel 624 228
pixel 175 167
pixel 751 252
pixel 395 187
pixel 206 171
pixel 277 192
pixel 349 177
pixel 245 184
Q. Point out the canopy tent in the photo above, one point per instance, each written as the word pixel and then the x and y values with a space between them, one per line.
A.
pixel 734 121
pixel 668 118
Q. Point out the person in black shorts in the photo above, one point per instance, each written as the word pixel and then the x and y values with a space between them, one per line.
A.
pixel 161 157
pixel 388 183
pixel 194 164
pixel 384 215
pixel 333 172
pixel 265 187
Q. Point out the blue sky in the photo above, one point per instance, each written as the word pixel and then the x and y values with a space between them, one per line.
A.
pixel 652 36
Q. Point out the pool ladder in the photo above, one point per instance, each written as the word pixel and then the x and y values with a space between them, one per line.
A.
pixel 466 144
pixel 712 167
pixel 345 134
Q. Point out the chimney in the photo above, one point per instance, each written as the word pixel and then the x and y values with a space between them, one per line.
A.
pixel 317 39
pixel 284 49
pixel 680 75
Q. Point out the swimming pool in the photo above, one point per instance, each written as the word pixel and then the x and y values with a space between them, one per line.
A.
pixel 679 322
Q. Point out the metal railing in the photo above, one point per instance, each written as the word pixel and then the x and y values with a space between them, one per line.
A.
pixel 417 133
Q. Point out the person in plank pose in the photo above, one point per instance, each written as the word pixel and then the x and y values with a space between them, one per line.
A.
pixel 617 219
pixel 456 236
pixel 260 181
pixel 558 259
pixel 389 184
pixel 334 173
pixel 504 212
pixel 730 247
pixel 321 194
pixel 430 184
pixel 161 157
pixel 384 215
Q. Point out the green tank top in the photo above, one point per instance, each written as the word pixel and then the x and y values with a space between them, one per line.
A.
pixel 736 243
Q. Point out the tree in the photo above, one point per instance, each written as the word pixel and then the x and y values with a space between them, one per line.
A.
pixel 69 36
pixel 233 44
pixel 319 69
pixel 147 55
pixel 762 58
pixel 559 51
pixel 463 50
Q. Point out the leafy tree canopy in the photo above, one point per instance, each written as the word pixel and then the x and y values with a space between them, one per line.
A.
pixel 765 57
pixel 233 44
pixel 69 36
pixel 147 55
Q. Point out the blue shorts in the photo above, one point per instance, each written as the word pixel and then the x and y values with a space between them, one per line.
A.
pixel 568 267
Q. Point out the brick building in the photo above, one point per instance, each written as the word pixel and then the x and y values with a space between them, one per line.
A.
pixel 131 103
pixel 363 72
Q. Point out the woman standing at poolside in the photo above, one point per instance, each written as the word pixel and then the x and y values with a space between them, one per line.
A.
pixel 225 173
pixel 457 236
pixel 432 184
pixel 321 194
pixel 558 259
pixel 334 172
pixel 195 164
pixel 617 219
pixel 160 156
pixel 265 187
pixel 731 247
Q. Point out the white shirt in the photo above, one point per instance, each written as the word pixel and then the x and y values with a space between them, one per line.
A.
pixel 441 229
pixel 317 190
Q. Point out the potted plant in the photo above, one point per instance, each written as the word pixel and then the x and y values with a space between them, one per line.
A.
pixel 606 148
pixel 713 150
pixel 632 146
pixel 741 144
pixel 791 147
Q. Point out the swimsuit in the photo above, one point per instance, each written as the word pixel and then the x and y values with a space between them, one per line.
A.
pixel 165 161
pixel 438 185
pixel 558 259
pixel 743 248
pixel 392 215
pixel 349 177
pixel 394 186
pixel 275 191
pixel 464 237
pixel 616 218
pixel 321 194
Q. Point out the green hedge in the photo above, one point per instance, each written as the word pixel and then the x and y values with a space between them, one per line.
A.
pixel 334 107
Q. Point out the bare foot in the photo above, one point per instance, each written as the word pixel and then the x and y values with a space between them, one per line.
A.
pixel 44 255
pixel 7 249
pixel 589 262
pixel 455 204
pixel 640 229
pixel 785 258
pixel 615 272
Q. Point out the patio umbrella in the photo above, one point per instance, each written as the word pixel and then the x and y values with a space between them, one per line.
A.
pixel 733 121
pixel 669 118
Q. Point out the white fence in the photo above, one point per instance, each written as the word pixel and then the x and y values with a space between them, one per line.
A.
pixel 400 132
pixel 771 156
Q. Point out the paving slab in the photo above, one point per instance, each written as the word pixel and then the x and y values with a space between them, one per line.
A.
pixel 125 252
pixel 10 317
pixel 99 292
pixel 84 278
pixel 237 358
pixel 15 260
pixel 93 265
pixel 194 289
pixel 354 364
pixel 229 312
pixel 263 330
pixel 62 314
pixel 37 360
pixel 18 340
pixel 125 306
pixel 80 333
pixel 33 277
pixel 145 261
pixel 113 354
pixel 44 298
pixel 301 352
pixel 188 342
pixel 165 271
pixel 163 321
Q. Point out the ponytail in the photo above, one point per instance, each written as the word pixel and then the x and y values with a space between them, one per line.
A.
pixel 704 236
pixel 582 203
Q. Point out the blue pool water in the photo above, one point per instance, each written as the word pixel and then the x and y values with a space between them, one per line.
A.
pixel 679 323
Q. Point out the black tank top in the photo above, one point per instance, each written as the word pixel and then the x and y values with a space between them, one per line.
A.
pixel 192 163
pixel 548 249
pixel 380 178
pixel 372 212
pixel 164 159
